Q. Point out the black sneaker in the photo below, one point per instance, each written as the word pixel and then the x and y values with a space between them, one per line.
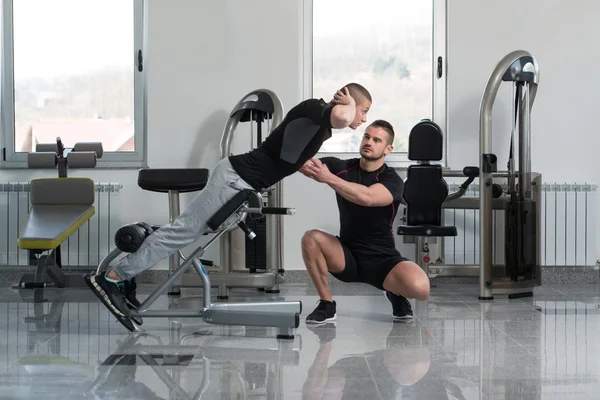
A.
pixel 131 299
pixel 130 293
pixel 112 295
pixel 401 308
pixel 324 312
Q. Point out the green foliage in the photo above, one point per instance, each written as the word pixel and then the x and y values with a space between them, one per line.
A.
pixel 391 65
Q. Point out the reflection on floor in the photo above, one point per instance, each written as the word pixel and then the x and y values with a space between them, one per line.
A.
pixel 545 347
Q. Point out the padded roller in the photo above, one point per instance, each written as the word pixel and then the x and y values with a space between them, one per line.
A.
pixel 129 238
pixel 95 147
pixel 42 160
pixel 46 147
pixel 82 159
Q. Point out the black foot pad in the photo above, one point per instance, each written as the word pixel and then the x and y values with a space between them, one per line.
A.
pixel 222 297
pixel 288 337
pixel 174 294
pixel 486 298
pixel 272 291
pixel 520 295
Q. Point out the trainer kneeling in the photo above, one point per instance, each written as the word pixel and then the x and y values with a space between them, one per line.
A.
pixel 368 194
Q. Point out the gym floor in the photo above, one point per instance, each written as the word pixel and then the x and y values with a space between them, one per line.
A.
pixel 545 347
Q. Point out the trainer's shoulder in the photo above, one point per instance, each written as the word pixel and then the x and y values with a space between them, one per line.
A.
pixel 390 173
pixel 335 164
pixel 352 162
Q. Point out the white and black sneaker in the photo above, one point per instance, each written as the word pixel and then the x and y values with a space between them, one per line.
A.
pixel 112 295
pixel 401 309
pixel 325 312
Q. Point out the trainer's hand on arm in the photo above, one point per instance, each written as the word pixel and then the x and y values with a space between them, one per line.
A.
pixel 318 171
pixel 344 110
pixel 306 169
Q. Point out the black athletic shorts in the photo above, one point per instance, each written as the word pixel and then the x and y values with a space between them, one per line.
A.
pixel 372 271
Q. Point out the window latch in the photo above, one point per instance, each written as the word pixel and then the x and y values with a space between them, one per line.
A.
pixel 140 61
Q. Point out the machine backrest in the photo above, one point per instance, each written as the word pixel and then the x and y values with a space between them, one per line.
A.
pixel 425 189
pixel 62 191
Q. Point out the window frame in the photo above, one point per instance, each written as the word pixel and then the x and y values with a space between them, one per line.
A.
pixel 439 84
pixel 110 159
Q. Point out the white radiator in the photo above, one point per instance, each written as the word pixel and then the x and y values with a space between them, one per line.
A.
pixel 568 234
pixel 86 247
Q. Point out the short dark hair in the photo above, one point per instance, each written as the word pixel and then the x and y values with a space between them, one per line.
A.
pixel 386 126
pixel 358 92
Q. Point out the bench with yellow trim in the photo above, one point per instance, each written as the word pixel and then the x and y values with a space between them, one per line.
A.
pixel 59 207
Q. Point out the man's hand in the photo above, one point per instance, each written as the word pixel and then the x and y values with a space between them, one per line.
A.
pixel 343 98
pixel 344 109
pixel 305 170
pixel 316 170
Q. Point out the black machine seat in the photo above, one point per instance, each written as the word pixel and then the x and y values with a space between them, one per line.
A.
pixel 181 179
pixel 425 189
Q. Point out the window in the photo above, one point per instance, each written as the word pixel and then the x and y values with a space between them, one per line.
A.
pixel 389 46
pixel 73 69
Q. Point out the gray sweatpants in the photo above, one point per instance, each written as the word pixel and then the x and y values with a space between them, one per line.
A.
pixel 223 184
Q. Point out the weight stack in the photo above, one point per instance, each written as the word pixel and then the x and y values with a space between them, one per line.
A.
pixel 520 239
pixel 256 249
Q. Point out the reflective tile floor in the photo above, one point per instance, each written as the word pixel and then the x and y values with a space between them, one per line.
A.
pixel 545 347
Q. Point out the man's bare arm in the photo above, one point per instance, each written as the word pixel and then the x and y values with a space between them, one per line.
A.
pixel 344 110
pixel 376 195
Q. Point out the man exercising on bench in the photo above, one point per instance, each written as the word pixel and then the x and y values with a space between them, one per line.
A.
pixel 368 194
pixel 298 138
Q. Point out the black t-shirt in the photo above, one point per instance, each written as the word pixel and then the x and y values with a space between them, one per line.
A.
pixel 293 142
pixel 367 231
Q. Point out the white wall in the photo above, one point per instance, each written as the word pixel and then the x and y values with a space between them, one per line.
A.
pixel 561 35
pixel 203 56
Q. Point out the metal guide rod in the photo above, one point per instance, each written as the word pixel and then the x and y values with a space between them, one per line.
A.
pixel 525 145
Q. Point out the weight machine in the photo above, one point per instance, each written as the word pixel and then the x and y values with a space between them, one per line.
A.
pixel 244 263
pixel 515 193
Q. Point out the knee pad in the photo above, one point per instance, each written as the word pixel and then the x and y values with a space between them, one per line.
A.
pixel 129 238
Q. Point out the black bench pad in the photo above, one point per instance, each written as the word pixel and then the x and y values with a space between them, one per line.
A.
pixel 232 206
pixel 180 179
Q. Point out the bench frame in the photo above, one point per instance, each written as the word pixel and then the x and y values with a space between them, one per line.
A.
pixel 284 315
pixel 48 273
pixel 45 253
pixel 52 156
